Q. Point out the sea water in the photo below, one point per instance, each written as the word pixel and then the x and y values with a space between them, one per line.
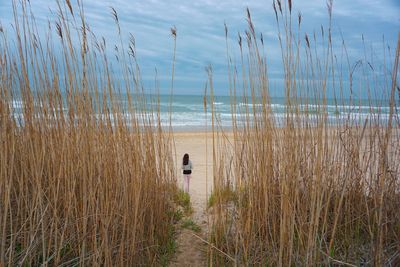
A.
pixel 195 112
pixel 191 113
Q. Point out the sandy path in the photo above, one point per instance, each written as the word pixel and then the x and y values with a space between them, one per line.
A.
pixel 191 251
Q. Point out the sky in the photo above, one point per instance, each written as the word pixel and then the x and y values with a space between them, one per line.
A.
pixel 201 36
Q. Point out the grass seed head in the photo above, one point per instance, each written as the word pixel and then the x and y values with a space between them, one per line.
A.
pixel 173 32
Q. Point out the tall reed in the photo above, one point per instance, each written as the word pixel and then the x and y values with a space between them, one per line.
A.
pixel 86 172
pixel 308 189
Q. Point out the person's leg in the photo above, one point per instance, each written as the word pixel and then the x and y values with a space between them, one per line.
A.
pixel 186 183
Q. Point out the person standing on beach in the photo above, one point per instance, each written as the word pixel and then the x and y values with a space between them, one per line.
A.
pixel 187 168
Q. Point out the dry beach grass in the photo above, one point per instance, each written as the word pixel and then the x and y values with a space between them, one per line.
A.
pixel 75 183
pixel 303 191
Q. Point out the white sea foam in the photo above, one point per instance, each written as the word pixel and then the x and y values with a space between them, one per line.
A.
pixel 17 104
pixel 188 113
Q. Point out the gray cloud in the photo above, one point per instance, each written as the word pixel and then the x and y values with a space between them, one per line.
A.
pixel 200 26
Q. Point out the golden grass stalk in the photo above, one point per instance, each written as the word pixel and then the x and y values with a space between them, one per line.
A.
pixel 86 172
pixel 307 191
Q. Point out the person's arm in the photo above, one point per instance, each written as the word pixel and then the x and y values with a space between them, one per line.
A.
pixel 191 165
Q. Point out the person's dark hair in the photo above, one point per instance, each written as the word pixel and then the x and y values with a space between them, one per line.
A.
pixel 185 160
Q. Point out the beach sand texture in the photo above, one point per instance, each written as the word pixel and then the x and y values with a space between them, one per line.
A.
pixel 191 250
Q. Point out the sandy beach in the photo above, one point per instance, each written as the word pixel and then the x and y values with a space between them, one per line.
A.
pixel 191 250
pixel 199 147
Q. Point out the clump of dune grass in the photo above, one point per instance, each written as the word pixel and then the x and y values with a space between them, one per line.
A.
pixel 310 191
pixel 182 199
pixel 223 195
pixel 86 173
pixel 191 225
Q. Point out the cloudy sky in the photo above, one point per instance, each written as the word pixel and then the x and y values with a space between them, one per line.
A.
pixel 200 29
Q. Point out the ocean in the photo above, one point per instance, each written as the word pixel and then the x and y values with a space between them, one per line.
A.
pixel 188 112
